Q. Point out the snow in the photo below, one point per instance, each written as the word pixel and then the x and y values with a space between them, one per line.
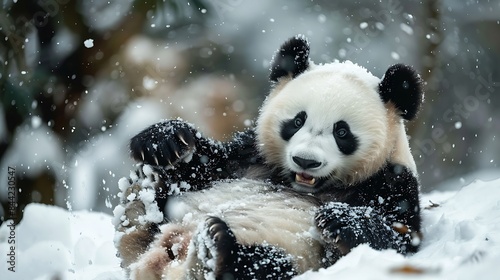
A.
pixel 25 153
pixel 461 241
pixel 406 28
pixel 105 153
pixel 89 43
pixel 51 241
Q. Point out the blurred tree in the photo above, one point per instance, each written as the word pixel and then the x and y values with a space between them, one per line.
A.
pixel 37 79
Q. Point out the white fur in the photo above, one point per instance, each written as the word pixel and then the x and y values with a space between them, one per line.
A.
pixel 255 211
pixel 402 152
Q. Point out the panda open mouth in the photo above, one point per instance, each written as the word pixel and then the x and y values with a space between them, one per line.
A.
pixel 305 179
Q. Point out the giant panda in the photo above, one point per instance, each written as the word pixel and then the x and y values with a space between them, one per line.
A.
pixel 326 168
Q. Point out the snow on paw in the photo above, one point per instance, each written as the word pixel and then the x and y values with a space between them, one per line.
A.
pixel 150 177
pixel 142 177
pixel 138 213
pixel 133 213
pixel 342 225
pixel 128 208
pixel 216 248
pixel 224 242
pixel 175 239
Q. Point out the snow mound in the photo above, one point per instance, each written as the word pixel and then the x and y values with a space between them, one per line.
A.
pixel 461 241
pixel 52 243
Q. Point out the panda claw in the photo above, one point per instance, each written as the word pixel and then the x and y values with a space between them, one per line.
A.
pixel 212 228
pixel 182 140
pixel 156 161
pixel 177 154
pixel 321 221
pixel 142 155
pixel 337 239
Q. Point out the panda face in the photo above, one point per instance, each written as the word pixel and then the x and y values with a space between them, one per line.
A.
pixel 328 127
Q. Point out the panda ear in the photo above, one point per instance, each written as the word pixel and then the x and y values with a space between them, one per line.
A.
pixel 402 86
pixel 292 58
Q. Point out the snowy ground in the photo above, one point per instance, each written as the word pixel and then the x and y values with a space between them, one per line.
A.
pixel 461 229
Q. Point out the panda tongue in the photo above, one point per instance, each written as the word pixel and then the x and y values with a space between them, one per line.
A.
pixel 305 179
pixel 306 176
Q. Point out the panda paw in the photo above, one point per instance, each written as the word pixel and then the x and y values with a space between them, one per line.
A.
pixel 346 227
pixel 217 247
pixel 138 207
pixel 224 258
pixel 164 144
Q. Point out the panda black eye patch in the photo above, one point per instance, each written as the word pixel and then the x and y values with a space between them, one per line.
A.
pixel 291 126
pixel 346 141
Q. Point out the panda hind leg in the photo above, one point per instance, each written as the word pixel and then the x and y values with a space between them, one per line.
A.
pixel 225 258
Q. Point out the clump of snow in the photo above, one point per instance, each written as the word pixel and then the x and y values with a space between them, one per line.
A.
pixel 153 213
pixel 461 232
pixel 89 43
pixel 395 55
pixel 176 189
pixel 406 28
pixel 123 183
pixel 118 215
pixel 36 121
pixel 149 83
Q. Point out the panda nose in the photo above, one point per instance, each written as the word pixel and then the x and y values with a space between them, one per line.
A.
pixel 306 163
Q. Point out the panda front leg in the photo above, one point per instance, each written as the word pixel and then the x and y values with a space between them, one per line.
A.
pixel 220 256
pixel 344 227
pixel 174 158
pixel 187 161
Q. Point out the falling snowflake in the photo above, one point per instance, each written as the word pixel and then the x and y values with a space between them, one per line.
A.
pixel 89 43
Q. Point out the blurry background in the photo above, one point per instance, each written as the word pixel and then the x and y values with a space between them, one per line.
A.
pixel 79 78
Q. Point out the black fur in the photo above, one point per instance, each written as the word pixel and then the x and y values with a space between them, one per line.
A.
pixel 382 211
pixel 291 59
pixel 236 261
pixel 148 146
pixel 402 86
pixel 211 160
pixel 346 141
pixel 290 127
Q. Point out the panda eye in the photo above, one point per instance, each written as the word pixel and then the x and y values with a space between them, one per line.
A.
pixel 290 126
pixel 300 119
pixel 342 132
pixel 346 141
pixel 298 122
pixel 341 129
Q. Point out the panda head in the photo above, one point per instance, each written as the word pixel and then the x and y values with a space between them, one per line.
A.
pixel 335 124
